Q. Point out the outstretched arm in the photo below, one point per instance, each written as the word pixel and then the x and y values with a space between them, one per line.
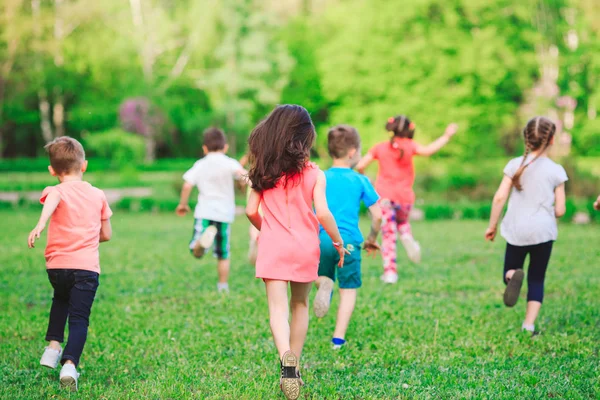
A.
pixel 364 163
pixel 326 218
pixel 437 145
pixel 50 204
pixel 252 209
pixel 497 206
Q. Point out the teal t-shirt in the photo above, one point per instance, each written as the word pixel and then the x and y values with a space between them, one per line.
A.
pixel 345 190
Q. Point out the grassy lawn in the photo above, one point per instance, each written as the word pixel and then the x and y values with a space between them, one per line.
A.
pixel 159 329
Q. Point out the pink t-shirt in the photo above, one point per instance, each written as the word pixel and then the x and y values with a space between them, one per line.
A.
pixel 288 245
pixel 396 174
pixel 74 231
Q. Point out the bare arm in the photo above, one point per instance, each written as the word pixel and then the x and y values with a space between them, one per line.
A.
pixel 560 201
pixel 183 208
pixel 105 230
pixel 498 203
pixel 326 218
pixel 50 204
pixel 252 209
pixel 375 211
pixel 370 244
pixel 597 204
pixel 437 145
pixel 364 163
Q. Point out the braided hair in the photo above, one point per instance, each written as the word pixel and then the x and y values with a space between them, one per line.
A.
pixel 538 133
pixel 401 127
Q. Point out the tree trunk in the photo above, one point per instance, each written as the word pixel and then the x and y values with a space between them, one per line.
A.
pixel 150 147
pixel 44 106
pixel 43 103
pixel 58 110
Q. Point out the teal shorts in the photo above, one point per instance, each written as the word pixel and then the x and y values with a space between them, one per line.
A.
pixel 348 277
pixel 221 246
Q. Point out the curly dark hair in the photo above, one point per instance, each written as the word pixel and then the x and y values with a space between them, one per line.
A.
pixel 280 146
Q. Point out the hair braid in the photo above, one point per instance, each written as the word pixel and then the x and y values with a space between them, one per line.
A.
pixel 537 134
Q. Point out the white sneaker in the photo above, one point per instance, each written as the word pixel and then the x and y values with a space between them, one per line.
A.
pixel 389 277
pixel 51 357
pixel 413 250
pixel 323 297
pixel 68 377
pixel 205 241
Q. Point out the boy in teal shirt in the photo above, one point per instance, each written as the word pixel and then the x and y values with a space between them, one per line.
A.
pixel 345 191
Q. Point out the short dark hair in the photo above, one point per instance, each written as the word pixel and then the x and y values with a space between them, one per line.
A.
pixel 341 139
pixel 66 155
pixel 214 139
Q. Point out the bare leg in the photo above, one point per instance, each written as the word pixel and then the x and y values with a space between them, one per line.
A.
pixel 54 345
pixel 509 274
pixel 277 297
pixel 299 307
pixel 347 302
pixel 533 309
pixel 253 246
pixel 223 269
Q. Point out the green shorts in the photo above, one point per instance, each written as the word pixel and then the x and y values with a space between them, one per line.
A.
pixel 348 277
pixel 221 246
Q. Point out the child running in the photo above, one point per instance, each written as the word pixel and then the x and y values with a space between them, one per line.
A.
pixel 286 185
pixel 346 189
pixel 79 220
pixel 214 175
pixel 394 184
pixel 536 186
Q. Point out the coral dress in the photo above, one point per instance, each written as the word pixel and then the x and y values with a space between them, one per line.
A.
pixel 288 245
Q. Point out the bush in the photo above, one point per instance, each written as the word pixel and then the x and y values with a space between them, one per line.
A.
pixel 121 148
pixel 434 212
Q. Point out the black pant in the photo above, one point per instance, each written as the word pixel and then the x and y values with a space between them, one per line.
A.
pixel 74 292
pixel 539 256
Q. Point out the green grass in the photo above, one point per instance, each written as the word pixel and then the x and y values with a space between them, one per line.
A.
pixel 159 330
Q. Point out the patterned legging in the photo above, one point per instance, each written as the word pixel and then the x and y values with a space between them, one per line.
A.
pixel 395 221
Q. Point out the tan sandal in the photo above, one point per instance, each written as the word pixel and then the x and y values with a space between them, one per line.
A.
pixel 290 381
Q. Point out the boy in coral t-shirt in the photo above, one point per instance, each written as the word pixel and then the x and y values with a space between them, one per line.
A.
pixel 79 220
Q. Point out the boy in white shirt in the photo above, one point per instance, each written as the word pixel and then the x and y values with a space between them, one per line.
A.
pixel 214 176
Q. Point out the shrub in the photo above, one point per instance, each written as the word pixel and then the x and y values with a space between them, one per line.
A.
pixel 434 212
pixel 121 148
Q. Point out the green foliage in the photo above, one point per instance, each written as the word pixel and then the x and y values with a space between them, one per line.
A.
pixel 122 148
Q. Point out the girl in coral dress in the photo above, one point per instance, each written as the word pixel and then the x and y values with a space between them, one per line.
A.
pixel 287 186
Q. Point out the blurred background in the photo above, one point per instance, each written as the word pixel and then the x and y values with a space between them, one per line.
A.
pixel 137 81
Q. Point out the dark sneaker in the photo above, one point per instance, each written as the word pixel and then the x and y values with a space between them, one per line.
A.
pixel 290 380
pixel 513 288
pixel 323 297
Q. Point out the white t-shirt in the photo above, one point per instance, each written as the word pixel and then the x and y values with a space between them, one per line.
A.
pixel 530 218
pixel 214 176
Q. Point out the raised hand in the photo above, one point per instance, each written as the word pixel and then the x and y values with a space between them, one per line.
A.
pixel 451 130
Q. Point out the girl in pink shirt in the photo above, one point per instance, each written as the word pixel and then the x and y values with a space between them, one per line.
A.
pixel 286 186
pixel 394 184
